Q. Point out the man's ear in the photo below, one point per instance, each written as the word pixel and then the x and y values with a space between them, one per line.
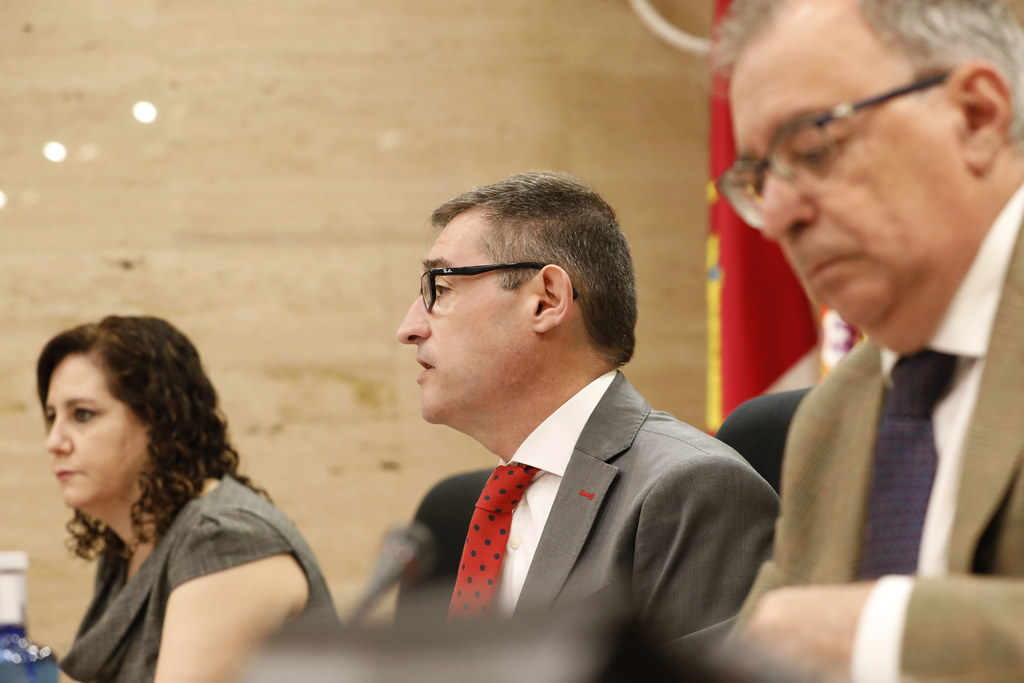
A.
pixel 552 298
pixel 985 102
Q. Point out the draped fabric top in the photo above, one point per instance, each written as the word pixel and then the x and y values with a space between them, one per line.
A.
pixel 119 638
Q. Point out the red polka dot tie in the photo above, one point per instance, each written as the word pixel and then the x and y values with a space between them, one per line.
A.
pixel 486 540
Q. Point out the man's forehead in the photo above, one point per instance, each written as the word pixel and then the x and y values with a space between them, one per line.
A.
pixel 812 57
pixel 457 241
pixel 759 112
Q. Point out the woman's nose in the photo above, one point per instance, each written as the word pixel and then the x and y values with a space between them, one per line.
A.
pixel 57 442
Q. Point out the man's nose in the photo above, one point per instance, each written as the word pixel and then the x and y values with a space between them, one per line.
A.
pixel 784 208
pixel 415 327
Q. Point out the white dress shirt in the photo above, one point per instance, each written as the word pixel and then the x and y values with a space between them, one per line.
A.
pixel 548 448
pixel 964 332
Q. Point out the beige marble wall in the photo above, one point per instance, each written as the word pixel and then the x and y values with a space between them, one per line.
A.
pixel 275 211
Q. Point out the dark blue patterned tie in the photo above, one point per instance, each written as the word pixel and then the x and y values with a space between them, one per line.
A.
pixel 905 462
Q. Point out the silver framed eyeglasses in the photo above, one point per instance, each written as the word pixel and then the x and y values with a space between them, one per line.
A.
pixel 801 152
pixel 428 288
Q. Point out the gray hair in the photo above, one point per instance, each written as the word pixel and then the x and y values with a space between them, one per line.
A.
pixel 935 35
pixel 558 219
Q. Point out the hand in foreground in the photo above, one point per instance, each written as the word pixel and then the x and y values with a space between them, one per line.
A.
pixel 808 629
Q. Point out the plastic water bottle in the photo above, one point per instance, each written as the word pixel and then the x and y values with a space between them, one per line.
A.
pixel 21 661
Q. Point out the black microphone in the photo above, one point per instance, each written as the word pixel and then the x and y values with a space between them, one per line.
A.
pixel 407 552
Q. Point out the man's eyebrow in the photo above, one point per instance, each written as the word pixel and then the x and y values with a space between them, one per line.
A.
pixel 804 119
pixel 794 123
pixel 435 263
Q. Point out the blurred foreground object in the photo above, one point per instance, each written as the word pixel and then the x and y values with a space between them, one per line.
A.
pixel 574 646
pixel 407 554
pixel 21 661
pixel 578 647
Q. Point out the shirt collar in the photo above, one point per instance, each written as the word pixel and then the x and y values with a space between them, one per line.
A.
pixel 551 444
pixel 967 324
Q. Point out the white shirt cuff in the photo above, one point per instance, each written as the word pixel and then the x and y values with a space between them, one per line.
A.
pixel 879 641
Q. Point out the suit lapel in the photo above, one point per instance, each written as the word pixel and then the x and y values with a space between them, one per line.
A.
pixel 995 439
pixel 583 492
pixel 853 469
pixel 572 517
pixel 831 481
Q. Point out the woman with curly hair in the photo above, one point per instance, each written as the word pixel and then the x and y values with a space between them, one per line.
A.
pixel 196 567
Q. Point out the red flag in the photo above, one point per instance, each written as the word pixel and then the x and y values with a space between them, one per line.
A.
pixel 760 323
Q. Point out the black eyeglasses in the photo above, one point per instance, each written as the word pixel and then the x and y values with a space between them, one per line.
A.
pixel 428 290
pixel 801 152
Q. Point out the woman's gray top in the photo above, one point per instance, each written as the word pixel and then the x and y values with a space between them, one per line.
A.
pixel 119 638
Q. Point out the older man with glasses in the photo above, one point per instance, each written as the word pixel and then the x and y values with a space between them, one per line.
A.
pixel 526 312
pixel 880 144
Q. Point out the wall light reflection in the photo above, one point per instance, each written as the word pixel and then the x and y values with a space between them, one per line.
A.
pixel 55 152
pixel 144 112
pixel 89 151
pixel 3 199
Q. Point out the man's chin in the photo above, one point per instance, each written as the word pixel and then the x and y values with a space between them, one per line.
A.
pixel 855 305
pixel 430 414
pixel 875 318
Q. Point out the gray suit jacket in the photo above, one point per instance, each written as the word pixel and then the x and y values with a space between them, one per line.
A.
pixel 655 514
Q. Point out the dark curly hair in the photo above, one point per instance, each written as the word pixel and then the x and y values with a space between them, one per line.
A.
pixel 155 370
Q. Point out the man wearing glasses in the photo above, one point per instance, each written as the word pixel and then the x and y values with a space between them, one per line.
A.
pixel 526 311
pixel 880 144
